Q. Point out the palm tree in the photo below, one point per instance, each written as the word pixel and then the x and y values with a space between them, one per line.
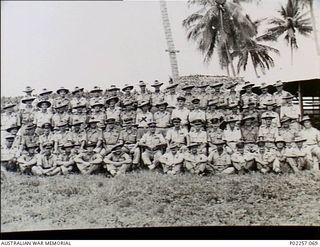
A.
pixel 218 25
pixel 258 53
pixel 291 21
pixel 313 19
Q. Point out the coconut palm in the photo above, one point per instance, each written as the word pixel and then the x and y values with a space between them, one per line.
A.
pixel 259 53
pixel 291 21
pixel 310 3
pixel 218 26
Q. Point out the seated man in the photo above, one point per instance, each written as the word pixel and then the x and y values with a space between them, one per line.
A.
pixel 197 135
pixel 128 136
pixel 194 161
pixel 172 160
pixel 300 154
pixel 219 160
pixel 117 162
pixel 242 161
pixel 46 162
pixel 312 136
pixel 29 159
pixel 283 162
pixel 8 155
pixel 65 159
pixel 264 158
pixel 177 135
pixel 88 161
pixel 153 143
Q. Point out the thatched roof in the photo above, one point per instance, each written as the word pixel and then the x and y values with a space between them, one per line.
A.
pixel 197 80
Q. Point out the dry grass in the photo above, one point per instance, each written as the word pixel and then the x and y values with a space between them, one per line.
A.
pixel 150 199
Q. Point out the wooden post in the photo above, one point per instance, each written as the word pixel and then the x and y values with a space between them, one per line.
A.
pixel 300 99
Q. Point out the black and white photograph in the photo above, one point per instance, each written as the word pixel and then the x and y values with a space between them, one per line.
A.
pixel 142 114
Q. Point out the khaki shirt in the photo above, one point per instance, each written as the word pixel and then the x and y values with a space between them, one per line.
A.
pixel 197 114
pixel 177 136
pixel 152 140
pixel 128 136
pixel 249 133
pixel 94 135
pixel 220 161
pixel 181 113
pixel 111 137
pixel 47 162
pixel 143 119
pixel 312 135
pixel 198 137
pixel 268 133
pixel 113 113
pixel 162 119
pixel 58 118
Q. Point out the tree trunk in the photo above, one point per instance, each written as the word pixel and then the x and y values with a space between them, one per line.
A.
pixel 228 71
pixel 291 48
pixel 315 34
pixel 226 45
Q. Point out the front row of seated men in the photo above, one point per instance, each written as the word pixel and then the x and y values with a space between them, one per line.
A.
pixel 153 153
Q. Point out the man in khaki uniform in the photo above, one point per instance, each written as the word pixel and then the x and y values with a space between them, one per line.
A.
pixel 242 161
pixel 171 97
pixel 65 159
pixel 248 96
pixel 194 162
pixel 129 138
pixel 8 155
pixel 264 159
pixel 177 135
pixel 197 135
pixel 117 162
pixel 46 162
pixel 267 131
pixel 157 96
pixel 300 154
pixel 153 143
pixel 88 161
pixel 172 160
pixel 219 160
pixel 181 112
pixel 28 159
pixel 162 117
pixel 214 133
pixel 111 136
pixel 312 136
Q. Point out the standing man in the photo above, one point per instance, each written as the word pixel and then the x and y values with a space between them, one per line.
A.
pixel 278 96
pixel 144 117
pixel 248 96
pixel 162 118
pixel 181 112
pixel 171 97
pixel 177 135
pixel 157 96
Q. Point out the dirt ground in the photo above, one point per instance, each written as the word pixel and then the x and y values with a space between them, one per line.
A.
pixel 148 199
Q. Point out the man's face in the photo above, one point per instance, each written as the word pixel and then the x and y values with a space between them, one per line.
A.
pixel 90 149
pixel 60 110
pixel 117 151
pixel 307 124
pixel 264 90
pixel 79 110
pixel 176 124
pixel 174 150
pixel 180 103
pixel 262 149
pixel 197 127
pixel 172 90
pixel 44 106
pixel 111 125
pixel 112 102
pixel 31 150
pixel 127 91
pixel 299 144
pixel 268 121
pixel 196 105
pixel 145 108
pixel 248 122
pixel 68 149
pixel 240 150
pixel 62 129
pixel 270 107
pixel 217 89
pixel 279 88
pixel 212 107
pixel 28 103
pixel 93 125
pixel 48 150
pixel 143 88
pixel 248 89
pixel 152 129
pixel 232 124
pixel 162 108
pixel 14 131
pixel 76 127
pixel 9 142
pixel 46 130
pixel 62 93
pixel 97 108
pixel 285 124
pixel 279 145
pixel 194 150
pixel 220 147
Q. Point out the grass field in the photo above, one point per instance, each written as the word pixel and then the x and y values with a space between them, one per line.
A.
pixel 150 199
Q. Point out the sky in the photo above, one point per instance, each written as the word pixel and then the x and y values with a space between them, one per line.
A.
pixel 49 44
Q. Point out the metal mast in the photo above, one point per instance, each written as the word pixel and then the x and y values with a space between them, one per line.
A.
pixel 171 49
